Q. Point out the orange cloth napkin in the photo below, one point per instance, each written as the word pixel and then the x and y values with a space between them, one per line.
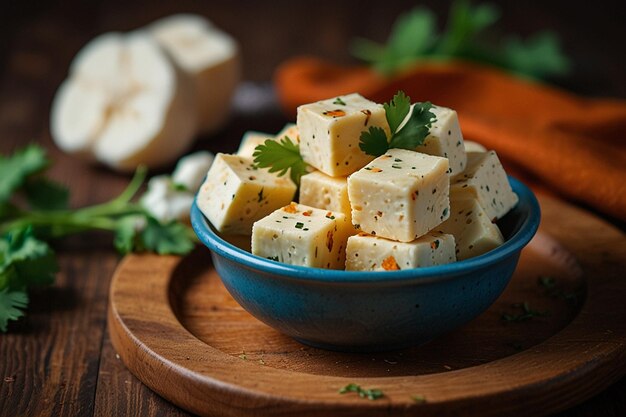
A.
pixel 572 145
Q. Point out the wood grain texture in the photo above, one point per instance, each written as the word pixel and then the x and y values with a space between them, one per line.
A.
pixel 226 363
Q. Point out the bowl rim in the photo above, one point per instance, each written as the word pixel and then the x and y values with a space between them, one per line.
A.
pixel 514 244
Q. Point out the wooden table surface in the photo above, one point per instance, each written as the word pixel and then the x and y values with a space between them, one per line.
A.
pixel 58 361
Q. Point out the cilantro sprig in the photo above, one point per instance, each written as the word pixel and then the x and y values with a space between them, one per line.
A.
pixel 281 156
pixel 404 135
pixel 414 38
pixel 34 210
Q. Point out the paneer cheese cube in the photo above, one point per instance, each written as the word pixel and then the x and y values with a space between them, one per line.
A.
pixel 485 179
pixel 401 195
pixel 251 139
pixel 291 131
pixel 444 138
pixel 329 193
pixel 235 194
pixel 301 235
pixel 330 131
pixel 471 146
pixel 473 231
pixel 370 253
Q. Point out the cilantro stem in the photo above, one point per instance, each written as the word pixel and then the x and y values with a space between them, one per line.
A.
pixel 134 185
pixel 117 205
pixel 63 222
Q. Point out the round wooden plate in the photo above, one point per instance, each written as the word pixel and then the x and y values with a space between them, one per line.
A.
pixel 179 331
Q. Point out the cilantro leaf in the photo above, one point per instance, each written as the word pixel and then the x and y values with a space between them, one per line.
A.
pixel 12 305
pixel 396 110
pixel 464 24
pixel 25 261
pixel 374 141
pixel 409 135
pixel 16 168
pixel 43 194
pixel 281 156
pixel 413 34
pixel 140 233
pixel 166 239
pixel 539 57
pixel 416 129
pixel 127 234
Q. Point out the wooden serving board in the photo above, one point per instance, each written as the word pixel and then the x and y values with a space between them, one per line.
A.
pixel 179 331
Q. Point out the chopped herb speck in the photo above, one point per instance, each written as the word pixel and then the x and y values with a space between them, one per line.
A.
pixel 370 394
pixel 418 399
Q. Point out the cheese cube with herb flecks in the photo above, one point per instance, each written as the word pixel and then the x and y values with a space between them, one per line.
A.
pixel 371 253
pixel 301 235
pixel 444 138
pixel 330 131
pixel 329 193
pixel 485 179
pixel 251 139
pixel 473 231
pixel 400 195
pixel 235 194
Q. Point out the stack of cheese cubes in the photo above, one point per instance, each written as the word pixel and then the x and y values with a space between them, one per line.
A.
pixel 405 209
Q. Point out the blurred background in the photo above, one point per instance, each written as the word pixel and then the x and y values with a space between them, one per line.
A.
pixel 39 39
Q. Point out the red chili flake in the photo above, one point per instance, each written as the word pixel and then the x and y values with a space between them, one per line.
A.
pixel 291 208
pixel 390 264
pixel 363 234
pixel 307 213
pixel 377 170
pixel 367 114
pixel 334 113
pixel 329 240
pixel 330 215
pixel 434 245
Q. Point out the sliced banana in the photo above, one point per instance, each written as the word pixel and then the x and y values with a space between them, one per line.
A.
pixel 124 104
pixel 209 57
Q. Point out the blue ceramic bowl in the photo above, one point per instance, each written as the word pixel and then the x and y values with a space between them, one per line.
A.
pixel 370 310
